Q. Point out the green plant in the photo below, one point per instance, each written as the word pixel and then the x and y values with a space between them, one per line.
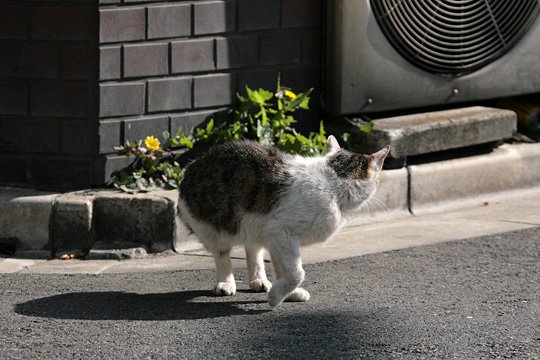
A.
pixel 262 116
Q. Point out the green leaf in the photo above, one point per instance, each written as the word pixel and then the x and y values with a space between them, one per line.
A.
pixel 366 127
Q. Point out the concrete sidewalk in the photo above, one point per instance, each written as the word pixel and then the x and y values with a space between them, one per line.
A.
pixel 488 214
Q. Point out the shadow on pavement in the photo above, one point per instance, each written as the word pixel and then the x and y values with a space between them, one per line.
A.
pixel 185 305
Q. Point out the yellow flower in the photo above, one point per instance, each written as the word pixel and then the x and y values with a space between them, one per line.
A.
pixel 290 94
pixel 152 143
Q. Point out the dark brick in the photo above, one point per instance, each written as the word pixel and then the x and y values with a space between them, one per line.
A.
pixel 109 136
pixel 146 59
pixel 121 99
pixel 213 90
pixel 122 24
pixel 61 173
pixel 139 129
pixel 169 21
pixel 213 17
pixel 76 62
pixel 258 14
pixel 192 55
pixel 266 79
pixel 78 137
pixel 14 22
pixel 13 99
pixel 13 170
pixel 236 52
pixel 29 60
pixel 283 48
pixel 29 137
pixel 169 94
pixel 59 99
pixel 311 47
pixel 304 80
pixel 109 63
pixel 296 13
pixel 62 23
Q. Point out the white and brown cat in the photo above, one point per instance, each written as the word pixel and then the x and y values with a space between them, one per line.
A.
pixel 244 193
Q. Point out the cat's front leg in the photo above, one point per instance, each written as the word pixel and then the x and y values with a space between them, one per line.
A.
pixel 288 265
pixel 256 272
pixel 299 294
pixel 226 286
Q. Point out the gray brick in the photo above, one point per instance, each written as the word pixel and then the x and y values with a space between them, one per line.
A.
pixel 123 24
pixel 213 90
pixel 138 129
pixel 258 14
pixel 59 99
pixel 266 79
pixel 169 21
pixel 169 94
pixel 146 60
pixel 121 99
pixel 236 52
pixel 188 121
pixel 192 55
pixel 109 135
pixel 109 63
pixel 13 99
pixel 213 17
pixel 296 13
pixel 282 48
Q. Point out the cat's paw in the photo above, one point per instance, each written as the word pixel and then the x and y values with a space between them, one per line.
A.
pixel 298 295
pixel 224 289
pixel 259 285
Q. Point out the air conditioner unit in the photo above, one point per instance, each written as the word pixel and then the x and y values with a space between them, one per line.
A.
pixel 386 55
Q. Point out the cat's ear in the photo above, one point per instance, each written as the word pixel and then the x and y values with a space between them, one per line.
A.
pixel 380 155
pixel 332 145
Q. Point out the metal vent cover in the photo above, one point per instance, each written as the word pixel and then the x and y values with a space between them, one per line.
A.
pixel 453 37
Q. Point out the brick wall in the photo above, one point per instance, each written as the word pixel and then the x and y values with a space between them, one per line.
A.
pixel 80 77
pixel 48 132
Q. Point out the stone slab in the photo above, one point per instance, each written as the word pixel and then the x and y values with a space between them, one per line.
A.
pixel 430 132
pixel 71 223
pixel 147 219
pixel 24 217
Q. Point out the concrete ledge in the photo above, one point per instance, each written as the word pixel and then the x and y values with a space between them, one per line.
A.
pixel 425 133
pixel 24 218
pixel 506 168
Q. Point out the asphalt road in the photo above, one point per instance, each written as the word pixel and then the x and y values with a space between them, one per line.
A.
pixel 471 299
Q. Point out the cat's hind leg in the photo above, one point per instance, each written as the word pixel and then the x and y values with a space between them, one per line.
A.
pixel 285 254
pixel 256 272
pixel 226 285
pixel 299 294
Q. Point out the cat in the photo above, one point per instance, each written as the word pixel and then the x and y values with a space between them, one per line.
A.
pixel 244 193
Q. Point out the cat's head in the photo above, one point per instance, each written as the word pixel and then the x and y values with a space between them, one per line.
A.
pixel 360 170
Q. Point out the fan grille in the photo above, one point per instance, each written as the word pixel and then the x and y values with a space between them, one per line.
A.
pixel 454 37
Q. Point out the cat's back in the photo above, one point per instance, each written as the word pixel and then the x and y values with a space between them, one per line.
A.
pixel 232 179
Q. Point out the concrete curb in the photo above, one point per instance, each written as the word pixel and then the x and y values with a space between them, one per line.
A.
pixel 78 222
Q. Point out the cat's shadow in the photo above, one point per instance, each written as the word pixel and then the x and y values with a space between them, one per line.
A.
pixel 184 305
